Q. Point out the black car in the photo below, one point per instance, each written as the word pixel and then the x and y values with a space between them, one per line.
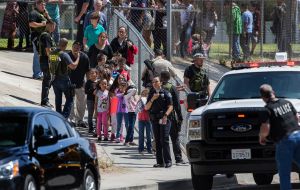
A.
pixel 39 149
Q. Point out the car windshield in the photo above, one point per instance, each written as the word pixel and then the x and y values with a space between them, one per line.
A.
pixel 246 86
pixel 12 130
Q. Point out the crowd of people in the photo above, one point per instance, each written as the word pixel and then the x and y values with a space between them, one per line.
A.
pixel 95 76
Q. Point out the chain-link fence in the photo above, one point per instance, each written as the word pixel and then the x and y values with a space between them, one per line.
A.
pixel 18 21
pixel 239 30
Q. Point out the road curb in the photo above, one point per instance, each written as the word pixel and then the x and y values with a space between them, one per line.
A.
pixel 219 181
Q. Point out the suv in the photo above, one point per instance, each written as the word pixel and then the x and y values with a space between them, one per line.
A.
pixel 223 134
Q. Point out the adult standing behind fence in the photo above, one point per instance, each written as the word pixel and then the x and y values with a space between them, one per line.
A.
pixel 82 7
pixel 160 29
pixel 9 25
pixel 280 124
pixel 62 83
pixel 187 21
pixel 234 27
pixel 37 22
pixel 102 17
pixel 210 19
pixel 77 78
pixel 160 106
pixel 247 19
pixel 279 27
pixel 136 16
pixel 256 25
pixel 23 25
pixel 52 7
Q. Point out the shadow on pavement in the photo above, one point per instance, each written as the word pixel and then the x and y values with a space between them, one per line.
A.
pixel 10 73
pixel 24 100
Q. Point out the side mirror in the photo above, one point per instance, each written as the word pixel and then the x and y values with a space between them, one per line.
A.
pixel 195 100
pixel 46 140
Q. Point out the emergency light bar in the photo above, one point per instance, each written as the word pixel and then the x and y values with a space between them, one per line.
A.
pixel 236 66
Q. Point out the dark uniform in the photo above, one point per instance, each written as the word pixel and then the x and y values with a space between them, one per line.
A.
pixel 161 132
pixel 175 128
pixel 198 79
pixel 45 41
pixel 285 131
pixel 62 85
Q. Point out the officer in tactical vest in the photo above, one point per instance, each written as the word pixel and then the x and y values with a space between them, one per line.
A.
pixel 46 43
pixel 175 116
pixel 160 105
pixel 62 83
pixel 195 77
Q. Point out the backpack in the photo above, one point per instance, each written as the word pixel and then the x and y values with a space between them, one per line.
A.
pixel 198 82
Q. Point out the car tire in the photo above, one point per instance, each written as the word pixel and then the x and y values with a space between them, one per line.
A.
pixel 30 183
pixel 201 182
pixel 89 181
pixel 263 178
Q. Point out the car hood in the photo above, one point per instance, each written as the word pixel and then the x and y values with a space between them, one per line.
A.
pixel 8 154
pixel 239 104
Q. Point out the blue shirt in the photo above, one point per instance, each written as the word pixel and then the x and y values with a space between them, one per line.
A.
pixel 53 10
pixel 247 18
pixel 91 34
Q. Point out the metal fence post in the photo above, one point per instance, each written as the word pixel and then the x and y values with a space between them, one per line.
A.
pixel 139 67
pixel 169 29
pixel 72 21
pixel 262 27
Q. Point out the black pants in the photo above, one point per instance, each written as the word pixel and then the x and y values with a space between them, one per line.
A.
pixel 46 84
pixel 174 134
pixel 161 135
pixel 160 39
pixel 80 32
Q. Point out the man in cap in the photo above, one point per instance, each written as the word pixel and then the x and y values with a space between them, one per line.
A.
pixel 195 77
pixel 280 125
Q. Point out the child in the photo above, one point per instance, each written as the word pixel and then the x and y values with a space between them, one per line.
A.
pixel 144 122
pixel 122 111
pixel 90 88
pixel 131 103
pixel 101 61
pixel 102 107
pixel 198 45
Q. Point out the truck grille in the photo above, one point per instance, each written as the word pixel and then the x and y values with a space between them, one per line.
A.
pixel 232 125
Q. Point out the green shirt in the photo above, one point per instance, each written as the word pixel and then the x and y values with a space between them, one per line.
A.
pixel 235 21
pixel 91 34
pixel 53 10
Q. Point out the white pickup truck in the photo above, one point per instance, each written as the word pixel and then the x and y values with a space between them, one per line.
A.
pixel 223 134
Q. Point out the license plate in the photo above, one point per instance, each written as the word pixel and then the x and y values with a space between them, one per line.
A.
pixel 240 154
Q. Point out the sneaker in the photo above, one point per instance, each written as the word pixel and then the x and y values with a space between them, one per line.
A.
pixel 99 139
pixel 158 165
pixel 81 124
pixel 117 140
pixel 180 162
pixel 105 139
pixel 168 165
pixel 47 105
pixel 126 144
pixel 141 152
pixel 150 151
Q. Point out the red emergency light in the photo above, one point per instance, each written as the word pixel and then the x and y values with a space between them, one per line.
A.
pixel 264 64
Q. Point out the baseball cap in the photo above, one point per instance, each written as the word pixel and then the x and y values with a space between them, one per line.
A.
pixel 40 1
pixel 76 42
pixel 198 55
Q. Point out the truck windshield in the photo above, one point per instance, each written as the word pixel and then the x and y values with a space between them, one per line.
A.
pixel 246 85
pixel 12 130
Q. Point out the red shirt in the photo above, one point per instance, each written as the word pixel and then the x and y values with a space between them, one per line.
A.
pixel 131 51
pixel 143 116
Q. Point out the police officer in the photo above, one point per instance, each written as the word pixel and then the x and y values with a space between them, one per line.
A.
pixel 45 44
pixel 160 106
pixel 195 77
pixel 175 116
pixel 281 126
pixel 62 83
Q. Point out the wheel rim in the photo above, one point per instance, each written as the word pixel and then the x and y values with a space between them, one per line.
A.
pixel 90 183
pixel 31 186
